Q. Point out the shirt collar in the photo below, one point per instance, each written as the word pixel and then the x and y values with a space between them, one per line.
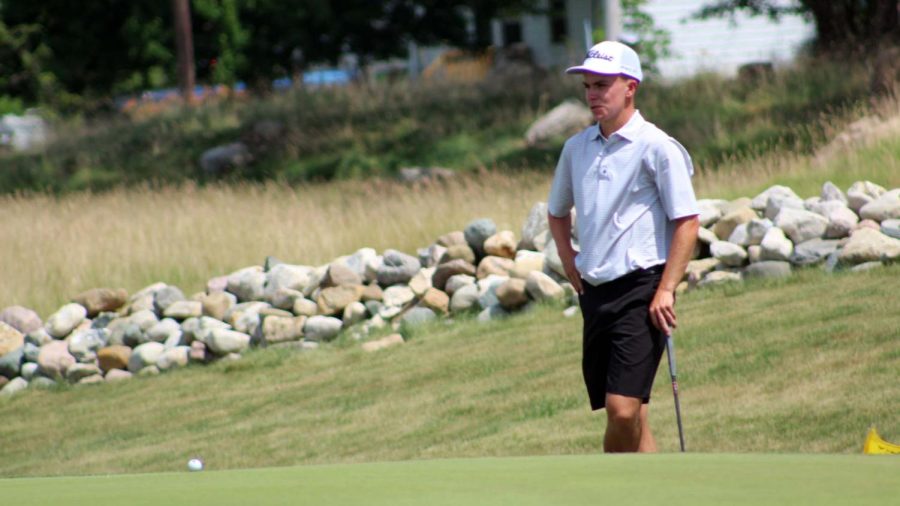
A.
pixel 628 132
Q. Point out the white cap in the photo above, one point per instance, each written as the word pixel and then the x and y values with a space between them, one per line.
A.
pixel 612 58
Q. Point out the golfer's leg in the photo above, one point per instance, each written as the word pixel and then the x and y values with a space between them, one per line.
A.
pixel 623 426
pixel 648 444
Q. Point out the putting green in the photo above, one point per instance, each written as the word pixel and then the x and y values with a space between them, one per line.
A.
pixel 670 479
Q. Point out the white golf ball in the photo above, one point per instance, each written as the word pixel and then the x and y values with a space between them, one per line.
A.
pixel 195 465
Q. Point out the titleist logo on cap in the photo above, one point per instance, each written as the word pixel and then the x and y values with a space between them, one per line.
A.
pixel 593 53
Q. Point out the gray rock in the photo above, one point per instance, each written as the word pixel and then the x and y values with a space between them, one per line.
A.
pixel 22 319
pixel 279 329
pixel 891 228
pixel 563 120
pixel 710 211
pixel 813 251
pixel 165 297
pixel 301 278
pixel 866 266
pixel 477 232
pixel 224 159
pixel 885 207
pixel 756 230
pixel 776 246
pixel 535 224
pixel 841 221
pixel 761 201
pixel 150 370
pixel 697 269
pixel 778 202
pixel 29 370
pixel 464 298
pixel 863 192
pixel 77 372
pixel 13 387
pixel 830 192
pixel 354 313
pixel 801 225
pixel 396 268
pixel 11 362
pixel 84 344
pixel 444 271
pixel 740 235
pixel 285 298
pixel 769 269
pixel 118 375
pixel 31 352
pixel 432 255
pixel 492 313
pixel 175 340
pixel 322 328
pixel 184 309
pixel 145 355
pixel 719 278
pixel 754 253
pixel 38 337
pixel 61 323
pixel 725 226
pixel 145 319
pixel 706 236
pixel 102 320
pixel 727 253
pixel 224 341
pixel 162 330
pixel 458 281
pixel 867 245
pixel 42 383
pixel 172 358
pixel 418 316
pixel 248 284
pixel 374 307
pixel 217 284
pixel 398 296
pixel 487 290
pixel 54 359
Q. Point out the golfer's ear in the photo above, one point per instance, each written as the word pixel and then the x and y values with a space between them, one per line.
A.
pixel 632 87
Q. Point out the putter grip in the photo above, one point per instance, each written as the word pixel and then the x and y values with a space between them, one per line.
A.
pixel 670 347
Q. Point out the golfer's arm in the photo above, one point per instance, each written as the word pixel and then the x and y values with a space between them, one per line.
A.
pixel 561 230
pixel 683 241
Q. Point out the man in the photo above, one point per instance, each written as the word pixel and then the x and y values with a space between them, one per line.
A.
pixel 637 225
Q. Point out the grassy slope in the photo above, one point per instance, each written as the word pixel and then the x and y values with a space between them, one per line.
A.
pixel 804 365
pixel 675 480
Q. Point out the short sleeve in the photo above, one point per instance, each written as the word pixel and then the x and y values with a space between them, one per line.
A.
pixel 561 198
pixel 673 170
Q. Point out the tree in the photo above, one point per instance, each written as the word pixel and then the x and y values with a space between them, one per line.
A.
pixel 840 25
pixel 650 42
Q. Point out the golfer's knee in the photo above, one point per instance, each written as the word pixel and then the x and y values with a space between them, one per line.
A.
pixel 624 414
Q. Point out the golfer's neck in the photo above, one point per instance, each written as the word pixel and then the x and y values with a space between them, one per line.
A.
pixel 612 125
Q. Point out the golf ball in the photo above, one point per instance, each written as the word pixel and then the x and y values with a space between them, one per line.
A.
pixel 195 465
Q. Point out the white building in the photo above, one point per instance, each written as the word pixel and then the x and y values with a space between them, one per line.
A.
pixel 718 45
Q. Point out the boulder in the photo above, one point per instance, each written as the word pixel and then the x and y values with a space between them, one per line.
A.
pixel 563 120
pixel 83 345
pixel 333 300
pixel 452 239
pixel 11 362
pixel 78 372
pixel 756 230
pixel 279 329
pixel 477 232
pixel 28 370
pixel 769 269
pixel 165 297
pixel 145 355
pixel 830 192
pixel 885 207
pixel 729 254
pixel 22 319
pixel 172 358
pixel 432 255
pixel 217 304
pixel 372 292
pixel 436 300
pixel 527 262
pixel 491 265
pixel 465 298
pixel 305 307
pixel 487 290
pixel 396 268
pixel 322 328
pixel 444 271
pixel 698 269
pixel 54 359
pixel 867 245
pixel 31 352
pixel 535 224
pixel 719 278
pixel 418 316
pixel 458 252
pixel 725 226
pixel 512 294
pixel 63 322
pixel 98 300
pixel 118 375
pixel 217 284
pixel 492 313
pixel 113 357
pixel 777 192
pixel 541 287
pixel 861 193
pixel 776 246
pixel 740 235
pixel 384 342
pixel 891 228
pixel 710 211
pixel 813 251
pixel 458 281
pixel 777 203
pixel 224 341
pixel 341 274
pixel 502 244
pixel 421 282
pixel 398 296
pixel 801 225
pixel 247 284
pixel 15 386
pixel 10 339
pixel 184 309
pixel 353 314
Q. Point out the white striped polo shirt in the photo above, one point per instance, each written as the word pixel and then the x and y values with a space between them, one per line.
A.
pixel 626 191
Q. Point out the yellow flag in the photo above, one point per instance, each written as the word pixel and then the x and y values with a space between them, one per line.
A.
pixel 874 445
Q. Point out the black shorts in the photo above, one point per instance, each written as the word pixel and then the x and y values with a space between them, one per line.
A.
pixel 622 348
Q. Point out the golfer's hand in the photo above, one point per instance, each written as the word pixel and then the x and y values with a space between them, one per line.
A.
pixel 662 311
pixel 572 274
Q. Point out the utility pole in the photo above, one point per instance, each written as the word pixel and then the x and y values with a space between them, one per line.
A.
pixel 184 48
pixel 612 19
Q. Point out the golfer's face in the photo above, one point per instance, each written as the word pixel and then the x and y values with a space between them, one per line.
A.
pixel 606 94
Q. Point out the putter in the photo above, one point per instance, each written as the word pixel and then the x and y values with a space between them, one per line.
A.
pixel 670 351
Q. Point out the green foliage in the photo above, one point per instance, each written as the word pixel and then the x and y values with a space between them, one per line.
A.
pixel 650 42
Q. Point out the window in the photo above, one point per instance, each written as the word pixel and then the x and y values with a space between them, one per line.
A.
pixel 512 32
pixel 559 29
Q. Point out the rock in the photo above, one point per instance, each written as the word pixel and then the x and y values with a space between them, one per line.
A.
pixel 776 246
pixel 502 244
pixel 224 159
pixel 725 226
pixel 891 228
pixel 424 174
pixel 11 362
pixel 813 251
pixel 178 356
pixel 421 282
pixel 464 298
pixel 563 120
pixel 777 203
pixel 372 292
pixel 118 375
pixel 768 269
pixel 15 386
pixel 150 370
pixel 740 235
pixel 841 221
pixel 867 245
pixel 54 359
pixel 145 355
pixel 396 268
pixel 477 232
pixel 861 193
pixel 165 297
pixel 372 267
pixel 512 294
pixel 247 284
pixel 244 317
pixel 340 274
pixel 452 239
pixel 145 319
pixel 872 224
pixel 63 322
pixel 865 266
pixel 719 278
pixel 184 309
pixel 801 225
pixel 199 352
pixel 527 262
pixel 436 300
pixel 98 300
pixel 444 271
pixel 830 192
pixel 458 281
pixel 217 284
pixel 458 252
pixel 353 314
pixel 729 254
pixel 28 371
pixel 570 311
pixel 398 296
pixel 492 265
pixel 384 342
pixel 162 330
pixel 84 345
pixel 322 328
pixel 541 287
pixel 492 313
pixel 432 255
pixel 756 230
pixel 77 372
pixel 487 290
pixel 777 192
pixel 4 381
pixel 305 307
pixel 113 357
pixel 885 207
pixel 710 211
pixel 42 383
pixel 22 319
pixel 698 269
pixel 217 304
pixel 417 316
pixel 224 341
pixel 91 380
pixel 535 224
pixel 334 299
pixel 541 240
pixel 754 253
pixel 38 337
pixel 279 329
pixel 31 352
pixel 10 339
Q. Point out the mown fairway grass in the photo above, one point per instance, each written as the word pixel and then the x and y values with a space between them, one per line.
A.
pixel 674 480
pixel 800 366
